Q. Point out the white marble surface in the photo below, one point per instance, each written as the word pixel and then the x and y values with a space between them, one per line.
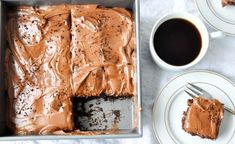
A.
pixel 219 58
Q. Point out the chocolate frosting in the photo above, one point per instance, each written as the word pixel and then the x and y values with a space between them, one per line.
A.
pixel 58 52
pixel 103 59
pixel 228 2
pixel 203 117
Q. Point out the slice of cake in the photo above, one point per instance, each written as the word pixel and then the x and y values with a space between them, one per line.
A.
pixel 203 117
pixel 102 49
pixel 228 2
pixel 38 71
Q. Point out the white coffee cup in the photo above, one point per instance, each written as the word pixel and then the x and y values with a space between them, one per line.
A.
pixel 205 38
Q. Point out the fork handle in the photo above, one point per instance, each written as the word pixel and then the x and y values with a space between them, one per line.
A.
pixel 229 110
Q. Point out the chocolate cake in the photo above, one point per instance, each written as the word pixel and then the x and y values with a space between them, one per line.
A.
pixel 228 2
pixel 59 52
pixel 203 117
pixel 102 51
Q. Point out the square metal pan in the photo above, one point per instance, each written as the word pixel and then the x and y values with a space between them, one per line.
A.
pixel 130 125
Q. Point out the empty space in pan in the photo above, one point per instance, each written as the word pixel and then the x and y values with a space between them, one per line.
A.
pixel 103 113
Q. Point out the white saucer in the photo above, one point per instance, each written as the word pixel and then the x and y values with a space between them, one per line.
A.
pixel 221 18
pixel 172 101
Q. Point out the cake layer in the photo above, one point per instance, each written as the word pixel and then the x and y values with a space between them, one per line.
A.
pixel 103 57
pixel 203 117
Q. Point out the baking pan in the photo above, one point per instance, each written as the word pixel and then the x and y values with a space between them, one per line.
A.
pixel 96 114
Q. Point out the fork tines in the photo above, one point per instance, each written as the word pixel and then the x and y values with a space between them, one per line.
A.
pixel 190 94
pixel 193 90
pixel 196 87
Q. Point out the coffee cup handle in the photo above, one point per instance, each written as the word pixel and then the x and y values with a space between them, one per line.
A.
pixel 216 34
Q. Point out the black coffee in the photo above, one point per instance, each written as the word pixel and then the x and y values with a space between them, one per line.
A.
pixel 177 42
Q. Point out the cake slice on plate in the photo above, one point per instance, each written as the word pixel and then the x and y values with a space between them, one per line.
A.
pixel 228 2
pixel 203 117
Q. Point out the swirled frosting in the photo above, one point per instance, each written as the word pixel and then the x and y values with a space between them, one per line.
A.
pixel 203 117
pixel 102 51
pixel 58 52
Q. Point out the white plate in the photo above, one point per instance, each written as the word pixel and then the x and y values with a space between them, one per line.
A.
pixel 169 106
pixel 221 18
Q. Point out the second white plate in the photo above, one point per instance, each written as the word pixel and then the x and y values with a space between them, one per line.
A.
pixel 221 18
pixel 169 106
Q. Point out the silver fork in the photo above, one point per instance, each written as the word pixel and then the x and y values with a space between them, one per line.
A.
pixel 194 91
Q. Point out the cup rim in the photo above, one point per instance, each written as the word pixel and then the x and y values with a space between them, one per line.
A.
pixel 197 23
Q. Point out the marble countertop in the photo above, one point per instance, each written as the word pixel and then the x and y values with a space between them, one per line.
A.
pixel 219 58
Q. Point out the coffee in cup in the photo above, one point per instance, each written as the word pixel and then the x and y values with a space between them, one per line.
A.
pixel 179 41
